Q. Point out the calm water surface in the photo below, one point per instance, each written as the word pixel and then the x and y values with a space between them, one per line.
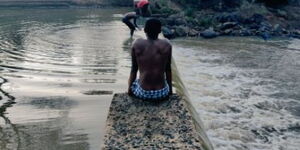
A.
pixel 61 67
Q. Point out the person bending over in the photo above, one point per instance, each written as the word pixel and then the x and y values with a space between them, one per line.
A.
pixel 131 25
pixel 152 58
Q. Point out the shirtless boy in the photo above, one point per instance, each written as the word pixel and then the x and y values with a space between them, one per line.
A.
pixel 152 58
pixel 131 25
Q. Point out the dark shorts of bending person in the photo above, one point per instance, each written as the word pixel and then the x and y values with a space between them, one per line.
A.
pixel 152 58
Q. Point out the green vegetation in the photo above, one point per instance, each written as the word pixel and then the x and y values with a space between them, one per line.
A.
pixel 206 22
pixel 189 2
pixel 247 9
pixel 190 12
pixel 162 7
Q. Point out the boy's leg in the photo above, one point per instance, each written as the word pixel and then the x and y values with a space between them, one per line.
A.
pixel 130 25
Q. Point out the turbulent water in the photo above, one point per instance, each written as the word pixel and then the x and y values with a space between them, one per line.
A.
pixel 58 71
pixel 246 90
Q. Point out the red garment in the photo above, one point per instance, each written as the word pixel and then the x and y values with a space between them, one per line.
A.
pixel 142 3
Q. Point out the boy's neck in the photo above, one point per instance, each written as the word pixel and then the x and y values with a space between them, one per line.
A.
pixel 152 39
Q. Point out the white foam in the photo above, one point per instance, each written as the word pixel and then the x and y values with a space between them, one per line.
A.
pixel 240 107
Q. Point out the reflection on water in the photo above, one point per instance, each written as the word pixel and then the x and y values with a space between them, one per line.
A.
pixel 245 89
pixel 7 101
pixel 59 69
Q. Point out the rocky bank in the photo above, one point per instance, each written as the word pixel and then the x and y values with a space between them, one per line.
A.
pixel 212 18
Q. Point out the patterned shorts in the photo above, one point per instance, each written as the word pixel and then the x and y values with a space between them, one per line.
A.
pixel 139 92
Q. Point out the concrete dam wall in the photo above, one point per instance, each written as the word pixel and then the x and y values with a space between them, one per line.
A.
pixel 63 3
pixel 169 124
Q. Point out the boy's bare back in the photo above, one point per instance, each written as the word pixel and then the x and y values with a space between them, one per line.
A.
pixel 153 58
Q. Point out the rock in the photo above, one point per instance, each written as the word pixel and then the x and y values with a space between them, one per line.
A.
pixel 296 32
pixel 282 13
pixel 262 29
pixel 169 21
pixel 229 17
pixel 175 16
pixel 228 25
pixel 232 3
pixel 277 28
pixel 294 2
pixel 193 32
pixel 236 33
pixel 265 26
pixel 265 35
pixel 175 19
pixel 286 32
pixel 257 18
pixel 181 31
pixel 180 21
pixel 245 32
pixel 209 3
pixel 209 33
pixel 254 26
pixel 163 21
pixel 274 3
pixel 227 31
pixel 168 33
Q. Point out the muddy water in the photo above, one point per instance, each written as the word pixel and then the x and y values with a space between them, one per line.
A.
pixel 58 71
pixel 60 67
pixel 246 90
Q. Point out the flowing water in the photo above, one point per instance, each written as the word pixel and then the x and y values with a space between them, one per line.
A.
pixel 246 90
pixel 60 67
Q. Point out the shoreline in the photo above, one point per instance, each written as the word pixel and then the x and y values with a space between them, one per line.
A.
pixel 176 25
pixel 230 18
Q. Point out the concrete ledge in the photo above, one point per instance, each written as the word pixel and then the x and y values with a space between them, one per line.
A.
pixel 137 124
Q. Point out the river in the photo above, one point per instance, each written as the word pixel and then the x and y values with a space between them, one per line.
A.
pixel 60 67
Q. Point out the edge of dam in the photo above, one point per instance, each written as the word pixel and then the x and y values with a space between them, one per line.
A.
pixel 138 124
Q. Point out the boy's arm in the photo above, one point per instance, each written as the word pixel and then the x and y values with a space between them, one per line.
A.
pixel 133 72
pixel 169 71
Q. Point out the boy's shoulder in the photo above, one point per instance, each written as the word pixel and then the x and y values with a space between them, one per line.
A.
pixel 139 41
pixel 166 41
pixel 142 41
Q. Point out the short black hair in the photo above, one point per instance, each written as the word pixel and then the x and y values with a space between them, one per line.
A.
pixel 153 28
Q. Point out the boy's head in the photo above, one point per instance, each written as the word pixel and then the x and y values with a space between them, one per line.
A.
pixel 153 28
